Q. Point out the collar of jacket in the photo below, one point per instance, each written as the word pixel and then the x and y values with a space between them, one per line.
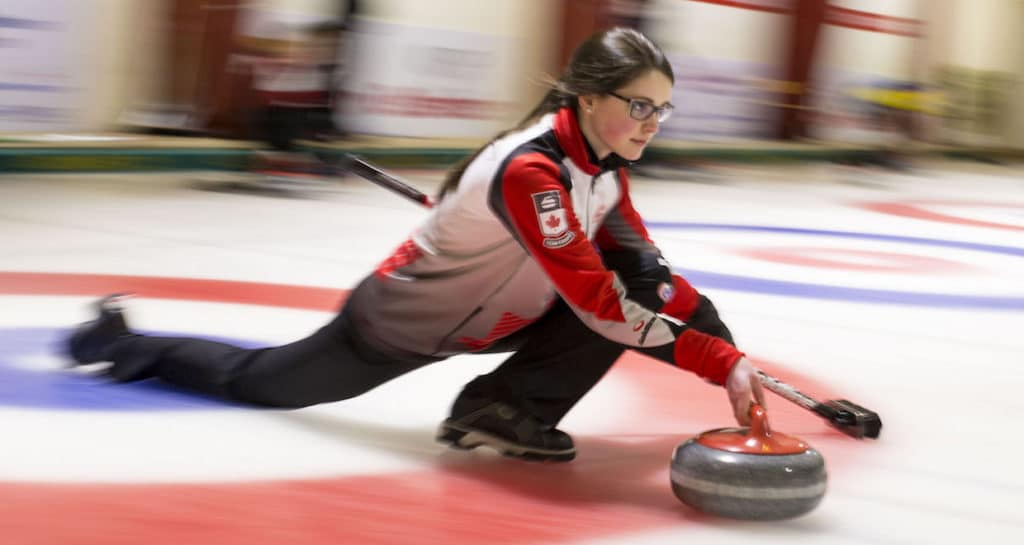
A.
pixel 570 137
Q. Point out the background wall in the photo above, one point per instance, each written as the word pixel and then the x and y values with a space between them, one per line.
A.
pixel 977 54
pixel 728 53
pixel 123 58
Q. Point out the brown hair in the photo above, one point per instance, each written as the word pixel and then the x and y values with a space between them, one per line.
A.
pixel 606 61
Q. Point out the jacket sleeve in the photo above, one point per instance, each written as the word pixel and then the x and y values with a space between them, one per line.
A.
pixel 530 197
pixel 623 228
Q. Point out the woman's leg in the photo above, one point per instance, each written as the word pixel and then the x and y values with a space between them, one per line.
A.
pixel 321 368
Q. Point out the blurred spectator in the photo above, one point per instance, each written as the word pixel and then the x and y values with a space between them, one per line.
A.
pixel 292 70
pixel 294 87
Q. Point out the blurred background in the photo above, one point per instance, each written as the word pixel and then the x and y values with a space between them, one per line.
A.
pixel 812 182
pixel 905 75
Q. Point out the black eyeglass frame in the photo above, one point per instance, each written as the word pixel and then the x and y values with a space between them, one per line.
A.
pixel 664 111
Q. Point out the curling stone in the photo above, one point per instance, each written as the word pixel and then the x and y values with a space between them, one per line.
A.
pixel 748 473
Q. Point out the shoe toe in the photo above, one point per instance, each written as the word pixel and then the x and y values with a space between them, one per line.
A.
pixel 88 343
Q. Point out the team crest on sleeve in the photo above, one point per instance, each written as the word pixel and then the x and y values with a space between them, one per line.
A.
pixel 666 291
pixel 553 219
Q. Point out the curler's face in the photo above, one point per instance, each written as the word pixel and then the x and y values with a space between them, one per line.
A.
pixel 625 120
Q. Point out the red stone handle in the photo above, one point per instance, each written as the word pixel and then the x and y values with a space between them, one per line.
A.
pixel 756 439
pixel 759 427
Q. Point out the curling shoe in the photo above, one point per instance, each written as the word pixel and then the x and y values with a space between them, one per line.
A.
pixel 91 341
pixel 508 430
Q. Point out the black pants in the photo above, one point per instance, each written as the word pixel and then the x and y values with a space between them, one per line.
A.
pixel 556 360
pixel 326 366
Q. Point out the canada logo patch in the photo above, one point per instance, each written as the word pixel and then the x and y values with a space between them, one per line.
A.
pixel 550 213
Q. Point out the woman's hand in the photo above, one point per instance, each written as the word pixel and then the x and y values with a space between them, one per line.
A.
pixel 744 388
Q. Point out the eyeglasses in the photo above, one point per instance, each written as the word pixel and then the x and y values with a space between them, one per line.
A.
pixel 642 110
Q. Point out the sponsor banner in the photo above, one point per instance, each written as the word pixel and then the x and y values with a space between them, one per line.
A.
pixel 427 82
pixel 40 67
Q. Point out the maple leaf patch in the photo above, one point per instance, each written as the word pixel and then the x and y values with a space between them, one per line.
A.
pixel 551 215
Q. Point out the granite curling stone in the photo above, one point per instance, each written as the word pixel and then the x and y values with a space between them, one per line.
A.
pixel 749 473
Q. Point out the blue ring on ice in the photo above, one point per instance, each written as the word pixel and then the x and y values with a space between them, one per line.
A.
pixel 22 386
pixel 750 284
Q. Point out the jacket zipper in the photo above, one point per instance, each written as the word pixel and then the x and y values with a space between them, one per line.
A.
pixel 590 197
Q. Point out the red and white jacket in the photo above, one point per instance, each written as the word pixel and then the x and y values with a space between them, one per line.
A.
pixel 524 226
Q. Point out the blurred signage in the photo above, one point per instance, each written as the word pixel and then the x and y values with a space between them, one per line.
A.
pixel 721 99
pixel 426 82
pixel 39 68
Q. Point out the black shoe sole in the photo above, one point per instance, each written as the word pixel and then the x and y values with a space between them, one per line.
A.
pixel 468 439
